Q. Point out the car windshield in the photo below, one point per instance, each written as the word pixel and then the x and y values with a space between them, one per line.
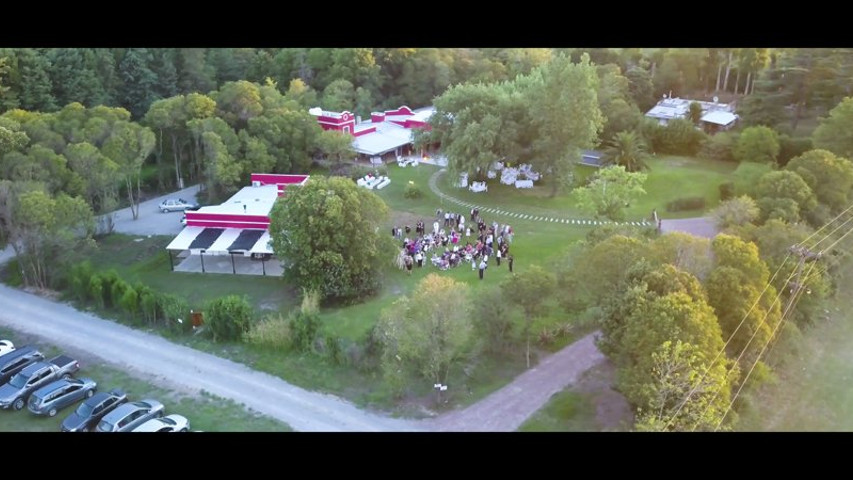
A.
pixel 18 381
pixel 105 426
pixel 84 410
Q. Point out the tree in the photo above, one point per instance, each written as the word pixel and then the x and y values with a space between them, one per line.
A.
pixel 228 318
pixel 628 150
pixel 679 370
pixel 194 73
pixel 493 320
pixel 529 291
pixel 238 102
pixel 46 232
pixel 302 94
pixel 641 88
pixel 335 145
pixel 783 194
pixel 36 87
pixel 682 250
pixel 128 146
pixel 610 191
pixel 428 332
pixel 565 87
pixel 695 112
pixel 736 211
pixel 339 96
pixel 757 144
pixel 600 269
pixel 834 132
pixel 327 234
pixel 829 177
pixel 138 81
pixel 748 314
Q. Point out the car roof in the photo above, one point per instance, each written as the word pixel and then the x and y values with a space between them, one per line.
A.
pixel 32 368
pixel 19 352
pixel 50 387
pixel 126 408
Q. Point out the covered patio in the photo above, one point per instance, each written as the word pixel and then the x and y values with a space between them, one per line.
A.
pixel 236 251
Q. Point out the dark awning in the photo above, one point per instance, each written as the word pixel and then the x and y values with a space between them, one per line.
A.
pixel 246 240
pixel 206 238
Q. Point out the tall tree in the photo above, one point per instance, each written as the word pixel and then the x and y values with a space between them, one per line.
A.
pixel 834 132
pixel 830 177
pixel 36 87
pixel 628 150
pixel 529 291
pixel 138 81
pixel 327 233
pixel 128 145
pixel 757 144
pixel 565 87
pixel 428 332
pixel 610 191
pixel 194 73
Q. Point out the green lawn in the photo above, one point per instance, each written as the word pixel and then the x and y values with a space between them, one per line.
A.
pixel 813 390
pixel 205 412
pixel 567 411
pixel 669 178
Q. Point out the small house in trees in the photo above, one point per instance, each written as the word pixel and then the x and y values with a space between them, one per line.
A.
pixel 672 108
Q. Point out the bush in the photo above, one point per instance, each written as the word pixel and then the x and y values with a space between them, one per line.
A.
pixel 108 279
pixel 117 289
pixel 79 277
pixel 792 147
pixel 412 191
pixel 747 175
pixel 335 350
pixel 129 301
pixel 679 137
pixel 727 190
pixel 688 203
pixel 176 312
pixel 719 147
pixel 228 318
pixel 272 332
pixel 96 290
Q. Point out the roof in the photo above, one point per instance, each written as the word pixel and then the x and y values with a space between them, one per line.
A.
pixel 219 241
pixel 591 158
pixel 720 117
pixel 258 201
pixel 388 136
pixel 670 108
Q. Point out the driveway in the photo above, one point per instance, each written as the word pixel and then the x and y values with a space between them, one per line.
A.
pixel 187 369
pixel 699 226
pixel 151 221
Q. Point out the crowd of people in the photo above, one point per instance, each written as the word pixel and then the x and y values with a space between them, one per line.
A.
pixel 454 243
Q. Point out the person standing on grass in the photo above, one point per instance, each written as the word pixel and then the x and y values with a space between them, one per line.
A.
pixel 498 256
pixel 409 264
pixel 420 258
pixel 482 267
pixel 509 260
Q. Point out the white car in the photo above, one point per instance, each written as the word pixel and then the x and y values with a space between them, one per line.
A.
pixel 169 423
pixel 6 346
pixel 177 204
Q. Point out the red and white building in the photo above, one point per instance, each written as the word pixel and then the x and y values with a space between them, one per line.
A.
pixel 239 226
pixel 388 131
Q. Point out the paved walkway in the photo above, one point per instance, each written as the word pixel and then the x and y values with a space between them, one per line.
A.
pixel 433 185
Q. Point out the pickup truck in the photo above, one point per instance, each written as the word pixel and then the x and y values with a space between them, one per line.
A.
pixel 15 393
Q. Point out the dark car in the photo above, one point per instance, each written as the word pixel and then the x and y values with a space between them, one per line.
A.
pixel 91 411
pixel 129 416
pixel 16 360
pixel 51 398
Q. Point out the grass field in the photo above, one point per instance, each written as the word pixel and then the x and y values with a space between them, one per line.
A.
pixel 813 390
pixel 204 411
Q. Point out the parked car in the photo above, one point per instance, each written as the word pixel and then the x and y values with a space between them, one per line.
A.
pixel 54 396
pixel 169 423
pixel 176 204
pixel 92 410
pixel 31 378
pixel 6 346
pixel 129 416
pixel 15 361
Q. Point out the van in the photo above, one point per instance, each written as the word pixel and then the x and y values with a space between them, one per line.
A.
pixel 15 361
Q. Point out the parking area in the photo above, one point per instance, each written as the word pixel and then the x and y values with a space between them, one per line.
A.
pixel 230 264
pixel 151 221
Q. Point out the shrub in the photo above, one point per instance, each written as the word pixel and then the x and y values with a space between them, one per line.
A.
pixel 719 147
pixel 79 278
pixel 176 312
pixel 108 279
pixel 117 289
pixel 792 147
pixel 412 191
pixel 96 290
pixel 335 350
pixel 679 137
pixel 129 301
pixel 228 318
pixel 727 190
pixel 272 332
pixel 747 175
pixel 304 327
pixel 149 306
pixel 688 203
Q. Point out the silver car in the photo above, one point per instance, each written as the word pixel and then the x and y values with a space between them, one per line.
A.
pixel 6 346
pixel 54 396
pixel 170 423
pixel 176 204
pixel 128 416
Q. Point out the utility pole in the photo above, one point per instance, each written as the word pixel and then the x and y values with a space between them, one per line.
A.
pixel 805 255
